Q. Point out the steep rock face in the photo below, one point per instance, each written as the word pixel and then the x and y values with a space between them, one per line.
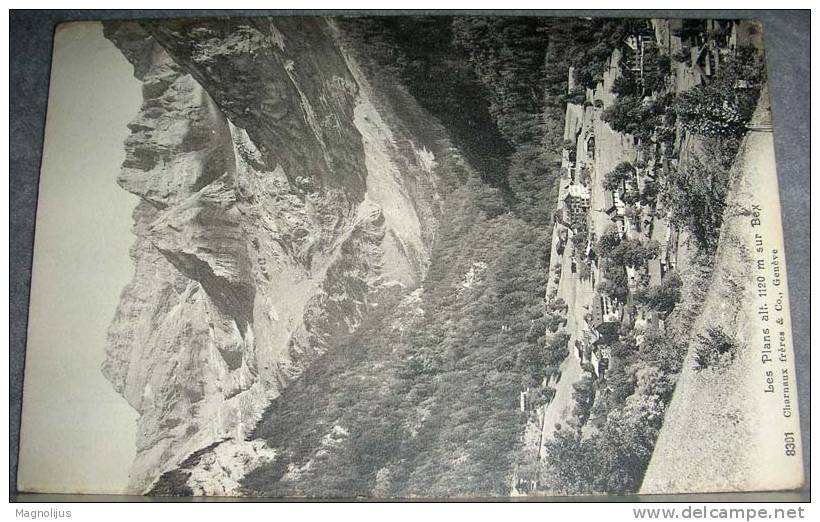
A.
pixel 277 207
pixel 285 82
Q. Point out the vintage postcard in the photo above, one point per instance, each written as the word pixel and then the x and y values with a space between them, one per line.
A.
pixel 409 257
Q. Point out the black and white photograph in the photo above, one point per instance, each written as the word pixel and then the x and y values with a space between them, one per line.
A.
pixel 451 256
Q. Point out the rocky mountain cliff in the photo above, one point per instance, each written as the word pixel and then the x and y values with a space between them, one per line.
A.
pixel 281 201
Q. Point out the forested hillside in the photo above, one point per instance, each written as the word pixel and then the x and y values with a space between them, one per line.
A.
pixel 423 398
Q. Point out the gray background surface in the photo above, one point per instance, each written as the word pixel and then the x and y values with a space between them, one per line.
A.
pixel 788 38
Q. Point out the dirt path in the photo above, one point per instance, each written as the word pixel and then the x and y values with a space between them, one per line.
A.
pixel 578 296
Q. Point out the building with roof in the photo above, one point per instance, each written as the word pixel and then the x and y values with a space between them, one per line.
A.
pixel 635 47
pixel 655 272
pixel 599 359
pixel 614 207
pixel 606 317
pixel 576 205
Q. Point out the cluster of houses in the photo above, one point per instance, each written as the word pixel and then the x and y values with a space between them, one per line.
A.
pixel 708 42
pixel 577 199
pixel 630 216
pixel 632 219
pixel 604 323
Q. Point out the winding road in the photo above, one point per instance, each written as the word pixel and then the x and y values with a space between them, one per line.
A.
pixel 578 296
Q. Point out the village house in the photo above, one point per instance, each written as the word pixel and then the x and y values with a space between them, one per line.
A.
pixel 561 242
pixel 709 46
pixel 576 205
pixel 703 62
pixel 599 359
pixel 630 188
pixel 670 252
pixel 655 272
pixel 615 208
pixel 646 320
pixel 590 148
pixel 631 278
pixel 636 46
pixel 606 318
pixel 667 237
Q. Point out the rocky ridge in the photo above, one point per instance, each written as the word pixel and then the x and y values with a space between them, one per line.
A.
pixel 277 207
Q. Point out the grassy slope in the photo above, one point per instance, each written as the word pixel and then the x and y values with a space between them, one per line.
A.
pixel 728 445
